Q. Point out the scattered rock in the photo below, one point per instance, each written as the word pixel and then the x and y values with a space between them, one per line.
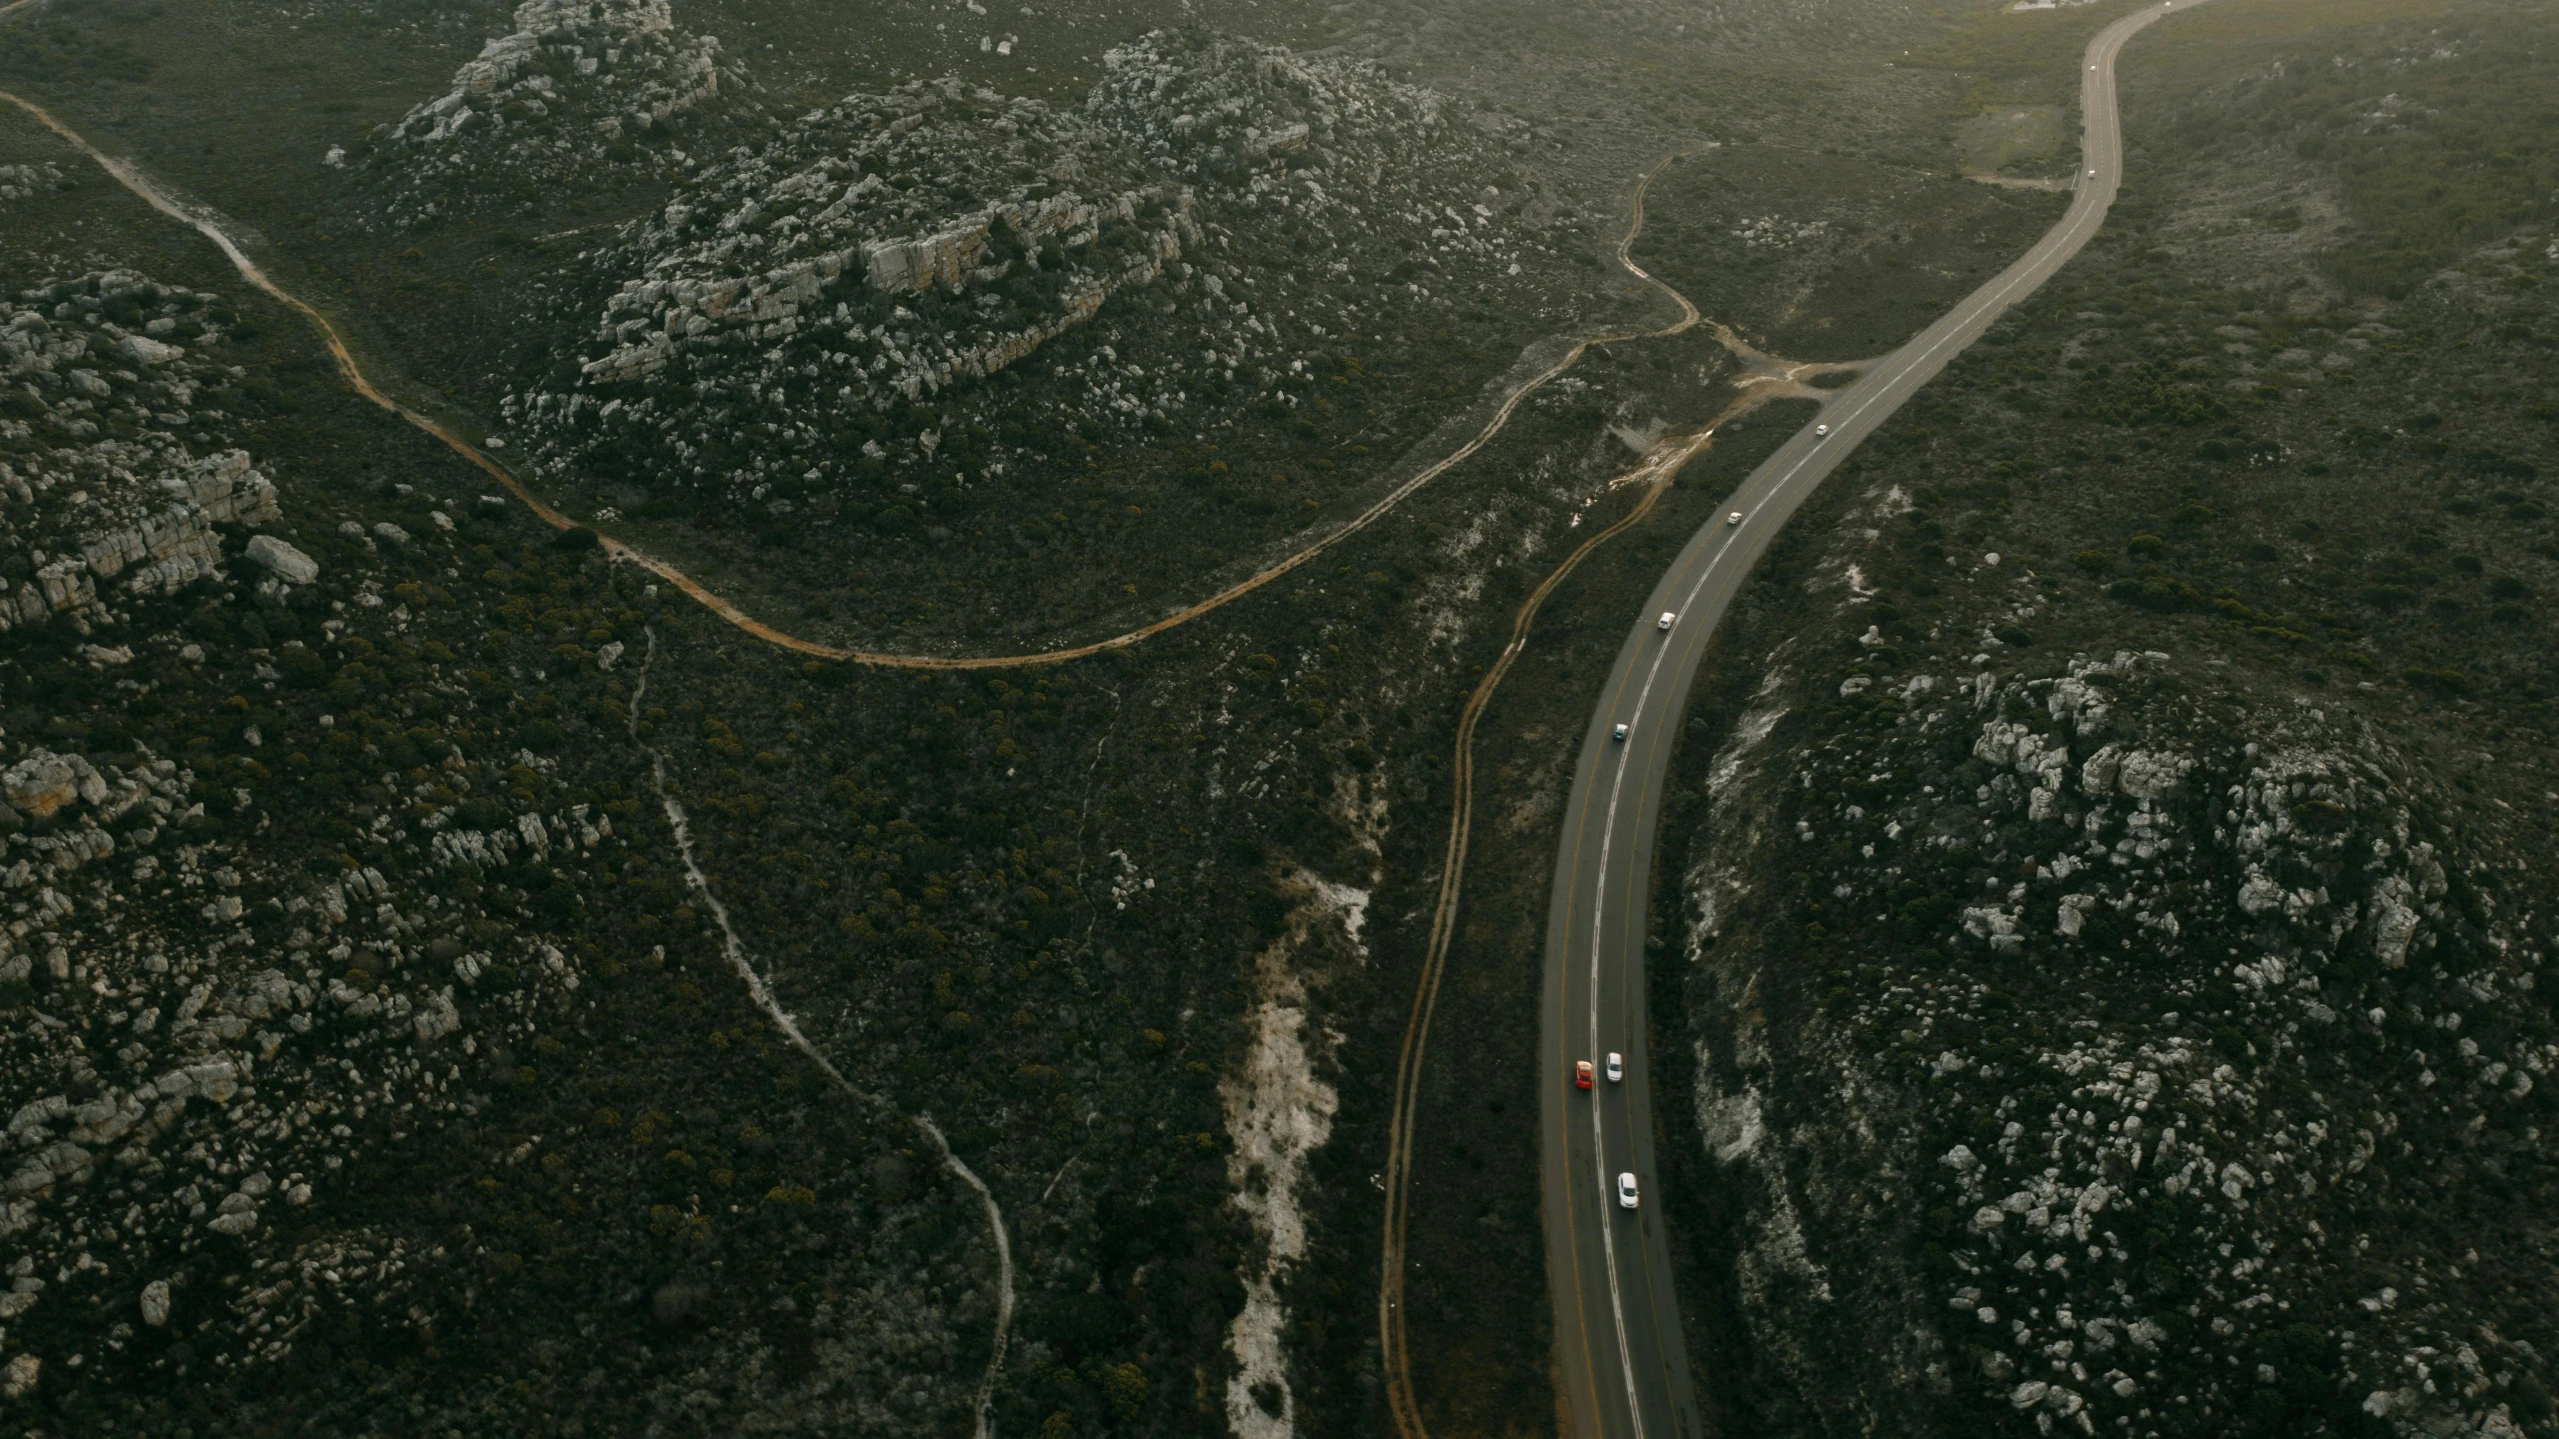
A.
pixel 281 560
pixel 45 782
pixel 560 97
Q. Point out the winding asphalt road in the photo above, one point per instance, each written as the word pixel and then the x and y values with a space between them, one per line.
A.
pixel 1623 1364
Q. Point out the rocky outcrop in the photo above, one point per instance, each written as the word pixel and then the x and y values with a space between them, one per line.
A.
pixel 116 495
pixel 44 783
pixel 106 458
pixel 552 97
pixel 624 58
pixel 701 313
pixel 167 538
pixel 18 182
pixel 888 251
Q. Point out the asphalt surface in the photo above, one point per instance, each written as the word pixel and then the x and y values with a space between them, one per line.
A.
pixel 1623 1365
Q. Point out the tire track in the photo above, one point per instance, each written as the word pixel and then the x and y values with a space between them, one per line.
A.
pixel 133 178
pixel 1399 1141
pixel 1765 378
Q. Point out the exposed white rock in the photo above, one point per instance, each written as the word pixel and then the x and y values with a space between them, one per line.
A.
pixel 1279 1112
pixel 237 1215
pixel 894 249
pixel 145 350
pixel 549 99
pixel 2394 924
pixel 147 536
pixel 436 1017
pixel 44 782
pixel 281 559
pixel 2144 775
pixel 17 182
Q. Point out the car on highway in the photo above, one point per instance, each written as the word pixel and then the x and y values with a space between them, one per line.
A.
pixel 1665 621
pixel 1820 430
pixel 1618 734
pixel 1734 518
pixel 1581 1074
pixel 1626 1195
pixel 1616 1066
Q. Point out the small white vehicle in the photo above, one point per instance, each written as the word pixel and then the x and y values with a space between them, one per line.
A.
pixel 1626 1195
pixel 2092 174
pixel 1734 518
pixel 1665 621
pixel 1616 1067
pixel 1820 430
pixel 1618 734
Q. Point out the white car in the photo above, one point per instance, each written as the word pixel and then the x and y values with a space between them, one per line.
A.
pixel 1618 734
pixel 1734 518
pixel 1626 1195
pixel 1616 1067
pixel 2092 174
pixel 1665 621
pixel 1820 430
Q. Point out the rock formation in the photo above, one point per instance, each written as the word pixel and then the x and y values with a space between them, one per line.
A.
pixel 551 98
pixel 129 506
pixel 886 253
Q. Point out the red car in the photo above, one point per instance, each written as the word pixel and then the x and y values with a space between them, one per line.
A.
pixel 1581 1074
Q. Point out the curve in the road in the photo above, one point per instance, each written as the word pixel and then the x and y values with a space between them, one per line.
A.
pixel 1619 1349
pixel 1656 473
pixel 1765 378
pixel 131 176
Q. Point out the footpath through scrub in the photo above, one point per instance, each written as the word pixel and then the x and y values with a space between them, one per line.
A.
pixel 131 176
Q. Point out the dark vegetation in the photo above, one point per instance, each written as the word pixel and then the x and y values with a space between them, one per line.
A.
pixel 1820 256
pixel 629 1204
pixel 1481 1319
pixel 2287 426
pixel 625 1200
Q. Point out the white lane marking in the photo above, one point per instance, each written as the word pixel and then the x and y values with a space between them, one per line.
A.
pixel 2028 266
pixel 1599 913
pixel 1954 325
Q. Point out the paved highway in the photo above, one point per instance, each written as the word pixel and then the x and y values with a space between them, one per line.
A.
pixel 1617 1327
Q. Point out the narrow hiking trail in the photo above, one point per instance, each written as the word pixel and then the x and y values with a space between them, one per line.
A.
pixel 131 176
pixel 758 989
pixel 1763 378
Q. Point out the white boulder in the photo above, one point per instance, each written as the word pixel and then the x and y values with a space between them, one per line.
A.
pixel 282 560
